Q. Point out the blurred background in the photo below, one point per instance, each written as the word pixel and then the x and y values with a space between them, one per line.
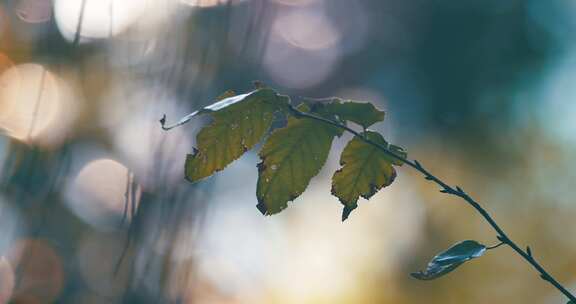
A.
pixel 94 207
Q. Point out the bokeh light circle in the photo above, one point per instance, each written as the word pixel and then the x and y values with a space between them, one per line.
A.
pixel 303 49
pixel 35 104
pixel 307 29
pixel 99 193
pixel 100 19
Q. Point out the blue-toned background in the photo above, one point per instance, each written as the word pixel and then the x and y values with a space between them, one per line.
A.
pixel 94 207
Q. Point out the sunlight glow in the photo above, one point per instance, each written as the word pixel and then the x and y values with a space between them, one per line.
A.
pixel 33 104
pixel 305 255
pixel 154 153
pixel 98 193
pixel 291 66
pixel 303 49
pixel 132 120
pixel 101 19
pixel 306 29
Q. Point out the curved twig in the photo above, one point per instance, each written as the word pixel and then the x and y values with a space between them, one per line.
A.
pixel 182 121
pixel 456 191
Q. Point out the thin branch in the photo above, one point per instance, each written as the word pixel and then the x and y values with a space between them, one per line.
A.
pixel 79 24
pixel 37 104
pixel 444 188
pixel 456 191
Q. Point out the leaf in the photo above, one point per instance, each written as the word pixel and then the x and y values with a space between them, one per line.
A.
pixel 290 158
pixel 362 113
pixel 229 100
pixel 365 170
pixel 239 122
pixel 450 259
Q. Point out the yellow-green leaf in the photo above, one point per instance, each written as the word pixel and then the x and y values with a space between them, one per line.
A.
pixel 239 122
pixel 365 170
pixel 229 101
pixel 290 158
pixel 362 113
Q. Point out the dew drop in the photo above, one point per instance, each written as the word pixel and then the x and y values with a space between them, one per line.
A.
pixel 274 167
pixel 234 126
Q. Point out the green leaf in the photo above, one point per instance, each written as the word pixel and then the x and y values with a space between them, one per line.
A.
pixel 362 113
pixel 239 122
pixel 229 101
pixel 450 259
pixel 365 170
pixel 290 158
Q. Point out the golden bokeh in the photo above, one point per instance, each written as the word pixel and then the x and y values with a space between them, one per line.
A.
pixel 101 18
pixel 99 193
pixel 31 103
